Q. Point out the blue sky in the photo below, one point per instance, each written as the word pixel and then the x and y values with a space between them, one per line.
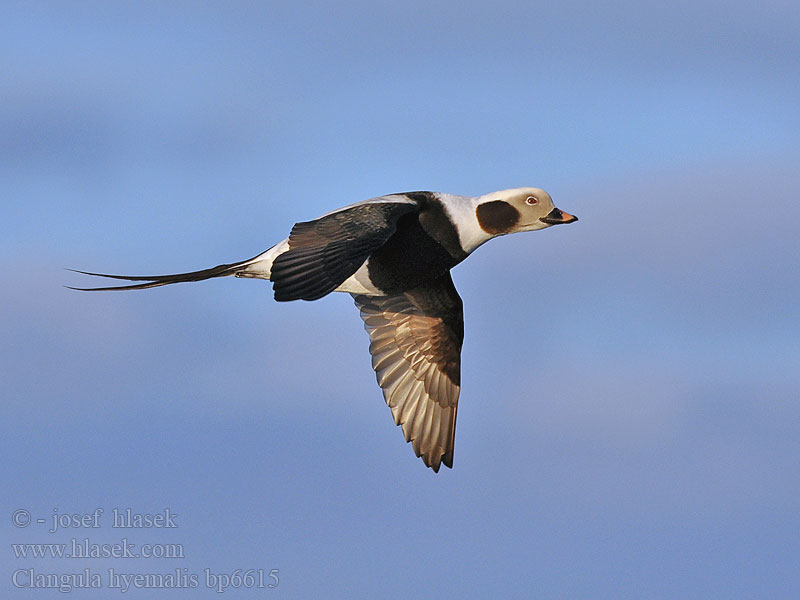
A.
pixel 628 425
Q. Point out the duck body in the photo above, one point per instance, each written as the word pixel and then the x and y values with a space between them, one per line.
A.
pixel 382 246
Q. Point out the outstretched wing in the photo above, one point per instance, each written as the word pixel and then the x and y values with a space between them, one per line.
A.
pixel 415 342
pixel 324 253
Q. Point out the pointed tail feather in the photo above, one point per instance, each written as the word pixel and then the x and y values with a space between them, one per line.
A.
pixel 158 280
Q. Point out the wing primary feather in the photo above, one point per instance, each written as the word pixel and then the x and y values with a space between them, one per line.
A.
pixel 415 343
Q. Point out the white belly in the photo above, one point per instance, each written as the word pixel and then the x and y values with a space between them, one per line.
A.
pixel 359 283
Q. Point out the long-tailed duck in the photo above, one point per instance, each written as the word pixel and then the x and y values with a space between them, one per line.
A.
pixel 394 254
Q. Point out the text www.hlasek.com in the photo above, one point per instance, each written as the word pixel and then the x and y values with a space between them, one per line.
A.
pixel 86 549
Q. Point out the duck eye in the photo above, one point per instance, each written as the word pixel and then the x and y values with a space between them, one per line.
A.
pixel 531 201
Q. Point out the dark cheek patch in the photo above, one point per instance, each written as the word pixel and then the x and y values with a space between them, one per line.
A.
pixel 497 216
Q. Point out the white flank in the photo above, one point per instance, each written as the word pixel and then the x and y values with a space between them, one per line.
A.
pixel 260 267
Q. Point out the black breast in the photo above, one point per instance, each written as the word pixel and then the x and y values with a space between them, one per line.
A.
pixel 424 247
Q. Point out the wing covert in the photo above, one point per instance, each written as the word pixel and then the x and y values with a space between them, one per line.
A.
pixel 323 253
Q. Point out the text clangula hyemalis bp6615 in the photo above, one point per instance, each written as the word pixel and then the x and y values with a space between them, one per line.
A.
pixel 394 254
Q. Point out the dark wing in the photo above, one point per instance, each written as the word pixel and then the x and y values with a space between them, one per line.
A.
pixel 324 253
pixel 415 342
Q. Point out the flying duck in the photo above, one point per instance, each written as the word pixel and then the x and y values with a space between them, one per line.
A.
pixel 393 254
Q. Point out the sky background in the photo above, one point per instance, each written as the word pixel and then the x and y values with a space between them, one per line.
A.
pixel 629 423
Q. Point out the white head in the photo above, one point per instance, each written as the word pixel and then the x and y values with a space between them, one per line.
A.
pixel 519 209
